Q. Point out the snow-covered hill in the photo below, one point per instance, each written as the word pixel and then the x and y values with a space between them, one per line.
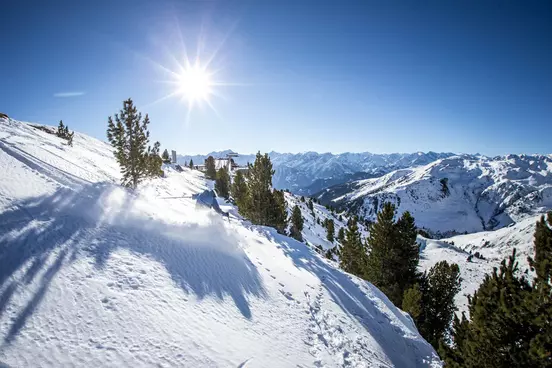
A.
pixel 493 246
pixel 481 193
pixel 92 275
pixel 308 172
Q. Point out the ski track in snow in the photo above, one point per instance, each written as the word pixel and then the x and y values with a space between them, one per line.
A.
pixel 94 275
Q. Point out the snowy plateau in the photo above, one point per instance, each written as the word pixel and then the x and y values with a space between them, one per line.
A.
pixel 92 275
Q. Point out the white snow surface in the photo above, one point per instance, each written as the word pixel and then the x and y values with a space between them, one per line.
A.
pixel 493 245
pixel 484 193
pixel 92 275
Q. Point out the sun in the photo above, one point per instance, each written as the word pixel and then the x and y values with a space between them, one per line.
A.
pixel 195 84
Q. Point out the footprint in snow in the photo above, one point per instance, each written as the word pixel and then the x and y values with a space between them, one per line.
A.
pixel 287 294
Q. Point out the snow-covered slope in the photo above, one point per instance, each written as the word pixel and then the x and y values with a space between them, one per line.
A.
pixel 483 193
pixel 494 246
pixel 299 171
pixel 92 275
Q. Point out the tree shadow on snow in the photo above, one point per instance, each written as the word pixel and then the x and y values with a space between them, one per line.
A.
pixel 402 349
pixel 38 236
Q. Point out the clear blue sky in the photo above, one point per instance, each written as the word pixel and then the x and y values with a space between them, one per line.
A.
pixel 379 76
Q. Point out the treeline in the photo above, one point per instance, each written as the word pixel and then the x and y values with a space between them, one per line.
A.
pixel 129 135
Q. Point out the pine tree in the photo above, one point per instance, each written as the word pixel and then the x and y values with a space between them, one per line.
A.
pixel 154 161
pixel 222 183
pixel 210 168
pixel 353 252
pixel 259 182
pixel 129 136
pixel 540 300
pixel 510 318
pixel 310 204
pixel 500 327
pixel 278 212
pixel 340 218
pixel 165 157
pixel 191 164
pixel 412 302
pixel 438 288
pixel 408 250
pixel 394 254
pixel 330 228
pixel 341 235
pixel 239 192
pixel 383 256
pixel 296 224
pixel 61 130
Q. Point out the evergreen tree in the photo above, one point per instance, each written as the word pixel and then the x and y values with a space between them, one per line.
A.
pixel 510 319
pixel 412 302
pixel 340 218
pixel 407 250
pixel 129 136
pixel 353 252
pixel 330 228
pixel 222 183
pixel 310 204
pixel 259 182
pixel 341 235
pixel 438 288
pixel 210 168
pixel 500 329
pixel 154 161
pixel 278 212
pixel 165 157
pixel 383 257
pixel 239 192
pixel 540 301
pixel 394 254
pixel 296 224
pixel 61 130
pixel 191 164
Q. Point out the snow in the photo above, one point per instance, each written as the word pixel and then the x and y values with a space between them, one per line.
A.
pixel 484 193
pixel 94 275
pixel 493 245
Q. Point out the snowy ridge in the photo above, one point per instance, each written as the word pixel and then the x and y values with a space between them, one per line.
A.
pixel 94 275
pixel 482 193
pixel 298 171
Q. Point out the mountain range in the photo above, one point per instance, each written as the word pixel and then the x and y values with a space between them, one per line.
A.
pixel 457 194
pixel 309 172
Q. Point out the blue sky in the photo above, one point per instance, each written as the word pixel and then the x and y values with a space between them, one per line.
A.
pixel 378 76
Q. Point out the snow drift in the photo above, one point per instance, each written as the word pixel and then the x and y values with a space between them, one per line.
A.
pixel 94 275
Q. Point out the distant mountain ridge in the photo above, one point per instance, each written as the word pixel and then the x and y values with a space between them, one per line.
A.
pixel 464 193
pixel 299 171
